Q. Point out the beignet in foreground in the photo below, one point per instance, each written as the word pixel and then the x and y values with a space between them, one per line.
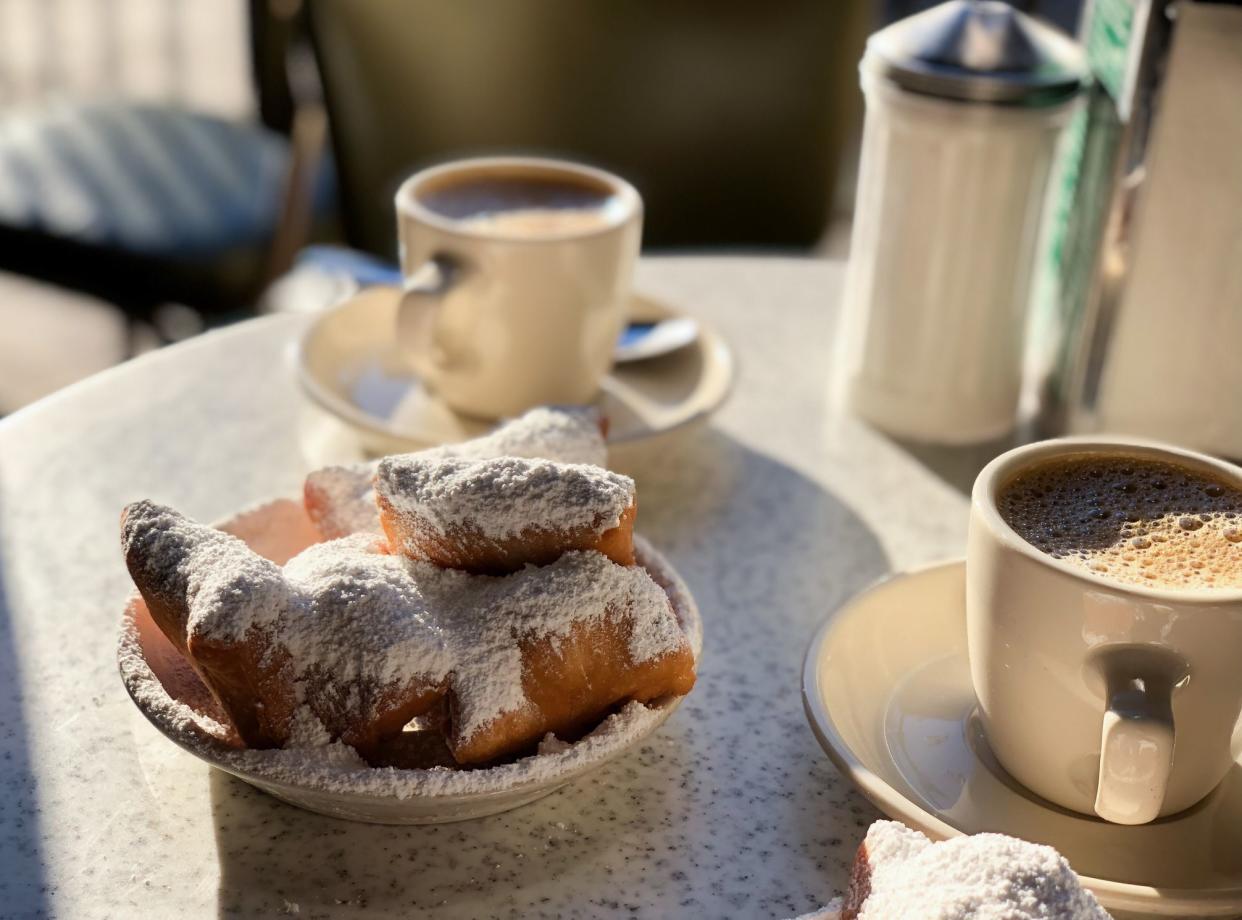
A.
pixel 899 874
pixel 349 641
pixel 495 516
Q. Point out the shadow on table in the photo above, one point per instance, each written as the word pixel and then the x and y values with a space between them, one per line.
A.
pixel 958 466
pixel 713 816
pixel 23 891
pixel 768 545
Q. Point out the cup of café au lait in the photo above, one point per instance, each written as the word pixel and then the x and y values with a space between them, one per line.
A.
pixel 1104 622
pixel 517 280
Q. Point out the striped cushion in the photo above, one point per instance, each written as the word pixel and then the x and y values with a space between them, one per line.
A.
pixel 156 181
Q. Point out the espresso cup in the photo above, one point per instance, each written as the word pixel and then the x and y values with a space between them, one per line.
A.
pixel 517 280
pixel 1103 696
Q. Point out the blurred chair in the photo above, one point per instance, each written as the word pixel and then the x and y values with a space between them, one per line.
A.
pixel 1062 13
pixel 131 167
pixel 729 117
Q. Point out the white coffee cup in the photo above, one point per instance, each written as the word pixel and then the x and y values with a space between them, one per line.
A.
pixel 517 299
pixel 1108 698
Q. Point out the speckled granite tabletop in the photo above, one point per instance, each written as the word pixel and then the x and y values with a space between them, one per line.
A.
pixel 775 513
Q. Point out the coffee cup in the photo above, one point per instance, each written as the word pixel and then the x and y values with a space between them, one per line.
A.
pixel 1104 622
pixel 517 280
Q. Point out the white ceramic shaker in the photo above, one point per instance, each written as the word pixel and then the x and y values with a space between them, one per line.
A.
pixel 965 104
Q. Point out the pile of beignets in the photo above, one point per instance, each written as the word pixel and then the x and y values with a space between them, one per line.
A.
pixel 488 589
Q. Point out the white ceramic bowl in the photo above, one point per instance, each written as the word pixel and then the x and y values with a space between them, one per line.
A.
pixel 174 700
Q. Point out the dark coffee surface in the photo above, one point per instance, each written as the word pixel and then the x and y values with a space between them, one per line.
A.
pixel 473 198
pixel 1135 520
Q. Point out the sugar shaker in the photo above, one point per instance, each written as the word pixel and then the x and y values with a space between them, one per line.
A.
pixel 965 104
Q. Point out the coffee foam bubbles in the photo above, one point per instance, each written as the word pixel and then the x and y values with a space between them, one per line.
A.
pixel 1133 520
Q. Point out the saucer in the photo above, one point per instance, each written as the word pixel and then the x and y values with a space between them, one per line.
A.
pixel 886 686
pixel 169 693
pixel 349 366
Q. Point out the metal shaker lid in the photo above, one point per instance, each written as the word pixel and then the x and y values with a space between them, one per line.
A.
pixel 978 51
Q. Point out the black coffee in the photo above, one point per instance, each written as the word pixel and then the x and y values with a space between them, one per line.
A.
pixel 524 207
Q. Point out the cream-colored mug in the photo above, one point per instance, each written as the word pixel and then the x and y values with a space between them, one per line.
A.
pixel 1105 697
pixel 518 274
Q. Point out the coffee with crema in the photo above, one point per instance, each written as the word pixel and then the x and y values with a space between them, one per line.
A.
pixel 1131 519
pixel 513 207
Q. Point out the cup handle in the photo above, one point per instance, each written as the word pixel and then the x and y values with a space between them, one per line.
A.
pixel 422 295
pixel 1136 747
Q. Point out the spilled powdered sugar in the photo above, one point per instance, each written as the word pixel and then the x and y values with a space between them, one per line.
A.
pixel 336 768
pixel 984 877
pixel 550 744
pixel 830 912
pixel 342 498
pixel 503 497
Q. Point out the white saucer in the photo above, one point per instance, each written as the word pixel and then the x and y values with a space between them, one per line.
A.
pixel 168 692
pixel 348 365
pixel 886 685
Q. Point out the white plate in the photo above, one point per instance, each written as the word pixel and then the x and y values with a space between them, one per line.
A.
pixel 886 685
pixel 348 365
pixel 171 696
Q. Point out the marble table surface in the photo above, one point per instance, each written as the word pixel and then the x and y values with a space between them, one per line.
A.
pixel 775 513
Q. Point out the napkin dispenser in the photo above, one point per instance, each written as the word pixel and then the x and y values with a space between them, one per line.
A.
pixel 1142 297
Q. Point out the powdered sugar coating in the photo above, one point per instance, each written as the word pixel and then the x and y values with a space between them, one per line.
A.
pixel 227 588
pixel 503 497
pixel 336 770
pixel 344 497
pixel 341 499
pixel 371 619
pixel 566 434
pixel 359 624
pixel 307 731
pixel 359 619
pixel 984 877
pixel 545 602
